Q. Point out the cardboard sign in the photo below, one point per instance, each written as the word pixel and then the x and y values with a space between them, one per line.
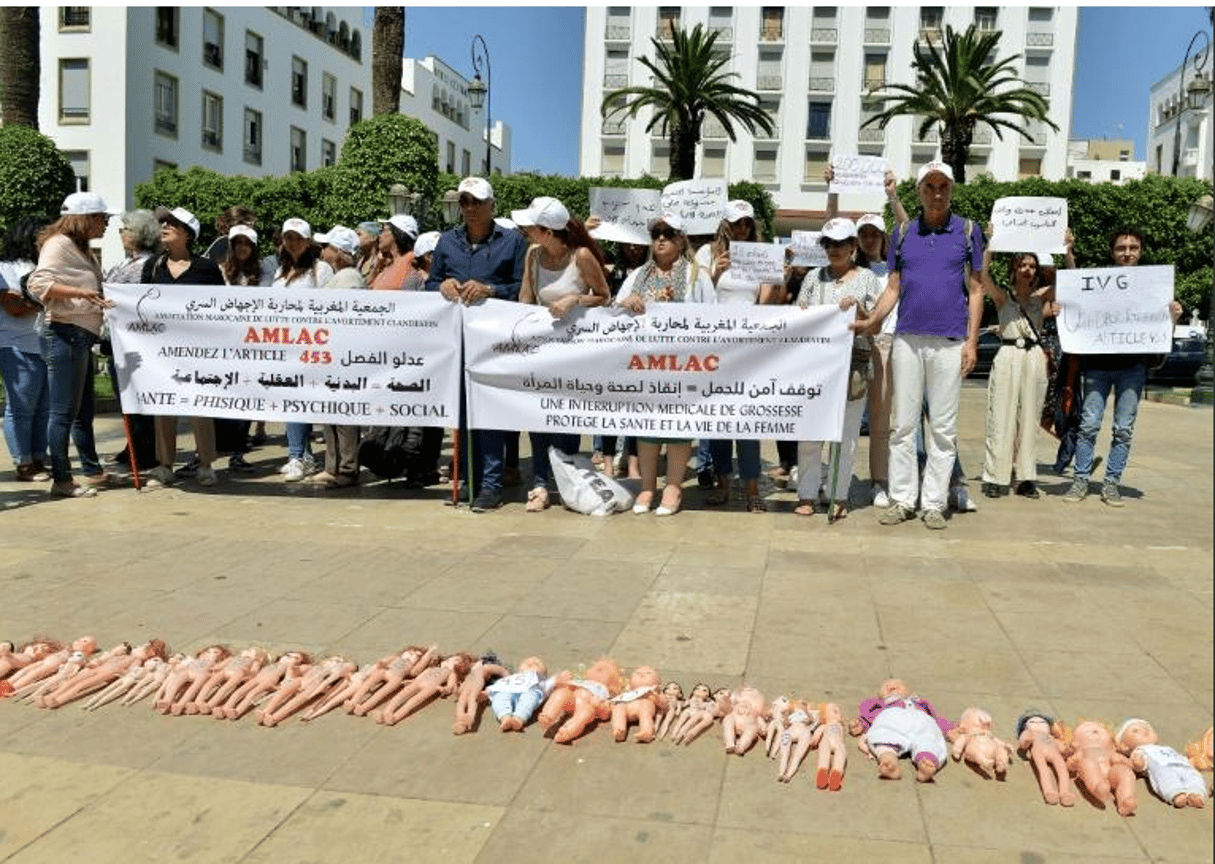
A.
pixel 758 263
pixel 1023 224
pixel 807 249
pixel 859 174
pixel 700 203
pixel 1115 310
pixel 624 213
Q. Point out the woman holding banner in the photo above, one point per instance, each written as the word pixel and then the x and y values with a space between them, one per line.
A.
pixel 670 276
pixel 563 269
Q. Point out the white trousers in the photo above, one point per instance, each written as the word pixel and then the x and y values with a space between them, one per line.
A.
pixel 926 368
pixel 839 472
pixel 1016 390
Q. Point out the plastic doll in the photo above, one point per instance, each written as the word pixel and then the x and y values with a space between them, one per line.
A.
pixel 440 681
pixel 778 721
pixel 697 704
pixel 1042 740
pixel 794 740
pixel 898 723
pixel 697 720
pixel 472 691
pixel 832 752
pixel 675 703
pixel 746 722
pixel 585 699
pixel 408 664
pixel 11 661
pixel 77 661
pixel 973 741
pixel 640 704
pixel 51 663
pixel 219 685
pixel 294 693
pixel 1105 773
pixel 1201 753
pixel 1169 775
pixel 341 695
pixel 134 677
pixel 289 665
pixel 184 681
pixel 97 677
pixel 515 698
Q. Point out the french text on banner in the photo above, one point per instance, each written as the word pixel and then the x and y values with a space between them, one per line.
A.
pixel 1115 310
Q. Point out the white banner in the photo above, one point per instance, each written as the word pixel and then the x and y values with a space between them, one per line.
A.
pixel 700 203
pixel 315 355
pixel 624 213
pixel 858 174
pixel 1024 224
pixel 681 370
pixel 1115 310
pixel 758 263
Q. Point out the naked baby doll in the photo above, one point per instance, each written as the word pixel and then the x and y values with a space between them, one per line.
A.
pixel 695 708
pixel 295 693
pixel 185 680
pixel 341 695
pixel 289 665
pixel 225 678
pixel 93 678
pixel 134 677
pixel 52 662
pixel 1041 739
pixel 437 681
pixel 472 692
pixel 640 704
pixel 700 719
pixel 896 723
pixel 675 703
pixel 585 699
pixel 794 740
pixel 514 698
pixel 408 664
pixel 1168 773
pixel 1104 772
pixel 746 722
pixel 77 661
pixel 973 741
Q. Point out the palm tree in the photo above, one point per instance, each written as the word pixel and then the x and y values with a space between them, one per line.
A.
pixel 387 47
pixel 20 62
pixel 957 86
pixel 689 84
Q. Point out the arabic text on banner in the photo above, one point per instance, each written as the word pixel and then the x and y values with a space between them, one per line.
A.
pixel 310 355
pixel 1115 310
pixel 681 370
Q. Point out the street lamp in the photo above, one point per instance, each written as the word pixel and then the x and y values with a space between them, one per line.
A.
pixel 451 207
pixel 401 200
pixel 1201 212
pixel 1194 97
pixel 478 94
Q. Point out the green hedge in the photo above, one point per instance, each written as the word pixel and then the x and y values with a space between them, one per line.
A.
pixel 35 176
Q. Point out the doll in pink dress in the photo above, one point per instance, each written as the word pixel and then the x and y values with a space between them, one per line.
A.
pixel 899 723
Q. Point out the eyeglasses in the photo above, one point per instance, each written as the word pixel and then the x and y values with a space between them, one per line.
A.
pixel 469 201
pixel 663 233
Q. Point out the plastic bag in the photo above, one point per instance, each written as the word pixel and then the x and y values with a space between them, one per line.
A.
pixel 585 489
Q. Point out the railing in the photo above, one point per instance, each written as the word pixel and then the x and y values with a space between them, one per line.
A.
pixel 1039 87
pixel 823 134
pixel 210 138
pixel 768 82
pixel 613 127
pixel 932 137
pixel 772 34
pixel 930 35
pixel 870 134
pixel 666 30
pixel 824 34
pixel 872 84
pixel 618 33
pixel 877 36
pixel 822 85
pixel 712 129
pixel 725 33
pixel 615 80
pixel 761 135
pixel 1039 40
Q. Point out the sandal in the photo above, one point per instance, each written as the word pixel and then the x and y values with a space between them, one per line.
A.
pixel 537 500
pixel 805 507
pixel 665 509
pixel 755 504
pixel 837 511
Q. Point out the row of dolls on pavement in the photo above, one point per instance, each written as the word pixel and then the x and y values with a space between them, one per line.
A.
pixel 894 724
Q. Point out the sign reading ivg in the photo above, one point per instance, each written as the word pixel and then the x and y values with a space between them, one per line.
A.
pixel 1115 310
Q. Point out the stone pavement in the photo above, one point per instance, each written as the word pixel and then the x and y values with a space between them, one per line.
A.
pixel 1080 610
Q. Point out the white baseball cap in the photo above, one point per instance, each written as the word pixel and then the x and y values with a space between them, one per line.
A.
pixel 933 167
pixel 180 215
pixel 839 228
pixel 736 210
pixel 341 238
pixel 477 187
pixel 544 211
pixel 298 226
pixel 403 223
pixel 671 220
pixel 873 221
pixel 425 243
pixel 242 231
pixel 505 224
pixel 85 204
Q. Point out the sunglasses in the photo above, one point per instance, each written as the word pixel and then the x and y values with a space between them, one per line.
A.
pixel 828 243
pixel 663 233
pixel 468 201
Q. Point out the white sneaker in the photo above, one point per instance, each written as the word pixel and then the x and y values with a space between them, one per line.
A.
pixel 961 501
pixel 298 469
pixel 881 500
pixel 161 475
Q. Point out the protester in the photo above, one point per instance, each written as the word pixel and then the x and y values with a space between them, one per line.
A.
pixel 423 252
pixel 369 240
pixel 26 399
pixel 239 266
pixel 395 270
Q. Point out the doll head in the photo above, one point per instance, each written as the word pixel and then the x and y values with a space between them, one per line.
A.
pixel 214 653
pixel 413 653
pixel 893 687
pixel 41 646
pixel 974 720
pixel 85 645
pixel 295 658
pixel 6 647
pixel 829 712
pixel 1201 753
pixel 672 690
pixel 533 664
pixel 1090 733
pixel 148 650
pixel 257 654
pixel 781 705
pixel 1037 721
pixel 176 658
pixel 749 701
pixel 459 663
pixel 1135 733
pixel 644 676
pixel 702 692
pixel 489 657
pixel 606 672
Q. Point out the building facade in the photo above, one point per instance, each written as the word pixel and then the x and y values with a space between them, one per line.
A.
pixel 1104 160
pixel 813 68
pixel 1167 119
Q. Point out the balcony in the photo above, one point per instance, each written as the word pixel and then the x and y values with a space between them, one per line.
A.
pixel 822 85
pixel 1189 157
pixel 1039 87
pixel 725 33
pixel 1039 40
pixel 712 129
pixel 870 135
pixel 872 84
pixel 931 35
pixel 825 35
pixel 769 82
pixel 772 33
pixel 615 79
pixel 614 127
pixel 877 36
pixel 617 33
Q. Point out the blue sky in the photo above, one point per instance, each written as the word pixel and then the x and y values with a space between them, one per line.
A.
pixel 536 69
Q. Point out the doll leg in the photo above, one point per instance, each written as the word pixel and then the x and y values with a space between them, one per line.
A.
pixel 252 696
pixel 583 714
pixel 888 762
pixel 173 685
pixel 280 696
pixel 839 761
pixel 554 707
pixel 620 721
pixel 728 733
pixel 645 722
pixel 699 726
pixel 301 699
pixel 220 696
pixel 391 688
pixel 363 690
pixel 1193 800
pixel 112 691
pixel 466 710
pixel 187 698
pixel 75 690
pixel 746 740
pixel 393 705
pixel 420 699
pixel 525 705
pixel 1050 773
pixel 324 706
pixel 141 690
pixel 1122 781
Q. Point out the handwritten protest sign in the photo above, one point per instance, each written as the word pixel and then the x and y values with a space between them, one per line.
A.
pixel 1022 224
pixel 1115 310
pixel 681 370
pixel 314 356
pixel 858 174
pixel 624 213
pixel 808 249
pixel 758 263
pixel 700 203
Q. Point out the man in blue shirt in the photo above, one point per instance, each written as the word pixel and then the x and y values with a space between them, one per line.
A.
pixel 471 263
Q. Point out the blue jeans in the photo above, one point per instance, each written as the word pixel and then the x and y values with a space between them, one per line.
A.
pixel 66 349
pixel 26 404
pixel 298 440
pixel 1127 387
pixel 720 451
pixel 542 469
pixel 521 705
pixel 490 445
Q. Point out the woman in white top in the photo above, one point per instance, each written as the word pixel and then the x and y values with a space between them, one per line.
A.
pixel 670 276
pixel 841 282
pixel 563 269
pixel 26 398
pixel 739 225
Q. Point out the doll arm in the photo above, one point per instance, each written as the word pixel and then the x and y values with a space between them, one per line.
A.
pixel 960 740
pixel 1138 761
pixel 863 746
pixel 425 661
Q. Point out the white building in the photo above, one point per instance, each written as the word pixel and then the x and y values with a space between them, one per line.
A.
pixel 812 67
pixel 1104 161
pixel 241 90
pixel 438 96
pixel 1165 112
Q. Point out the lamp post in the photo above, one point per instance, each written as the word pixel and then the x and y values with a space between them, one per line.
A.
pixel 402 201
pixel 451 207
pixel 478 95
pixel 1196 96
pixel 1201 213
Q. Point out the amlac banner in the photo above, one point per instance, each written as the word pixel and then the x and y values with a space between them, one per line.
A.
pixel 314 355
pixel 681 370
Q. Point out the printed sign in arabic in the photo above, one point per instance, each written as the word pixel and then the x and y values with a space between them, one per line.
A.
pixel 318 355
pixel 700 203
pixel 1115 310
pixel 625 213
pixel 758 263
pixel 859 174
pixel 681 370
pixel 1023 224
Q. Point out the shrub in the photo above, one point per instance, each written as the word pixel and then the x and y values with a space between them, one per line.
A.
pixel 34 176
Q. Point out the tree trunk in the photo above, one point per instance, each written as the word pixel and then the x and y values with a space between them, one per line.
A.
pixel 683 153
pixel 20 65
pixel 955 149
pixel 387 46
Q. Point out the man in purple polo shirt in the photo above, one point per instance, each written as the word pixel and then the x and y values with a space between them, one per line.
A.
pixel 934 277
